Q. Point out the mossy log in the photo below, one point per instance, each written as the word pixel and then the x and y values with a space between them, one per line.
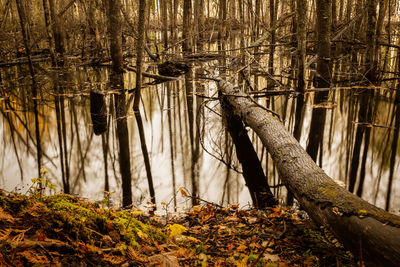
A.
pixel 372 234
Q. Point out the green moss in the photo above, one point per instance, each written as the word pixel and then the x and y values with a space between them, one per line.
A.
pixel 252 259
pixel 14 203
pixel 362 212
pixel 330 194
pixel 328 190
pixel 134 231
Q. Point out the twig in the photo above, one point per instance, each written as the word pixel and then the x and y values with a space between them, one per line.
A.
pixel 269 241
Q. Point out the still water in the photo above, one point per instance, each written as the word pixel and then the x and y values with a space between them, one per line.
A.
pixel 93 159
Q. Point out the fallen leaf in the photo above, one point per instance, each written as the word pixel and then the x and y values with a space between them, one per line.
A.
pixel 197 208
pixel 241 248
pixel 137 212
pixel 165 260
pixel 271 257
pixel 186 238
pixel 176 229
pixel 183 192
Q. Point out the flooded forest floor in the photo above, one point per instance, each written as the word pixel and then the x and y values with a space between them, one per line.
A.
pixel 61 230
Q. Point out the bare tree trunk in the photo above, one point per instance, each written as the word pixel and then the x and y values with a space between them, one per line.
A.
pixel 199 23
pixel 61 138
pixel 49 32
pixel 272 16
pixel 349 9
pixel 253 173
pixel 26 39
pixel 301 43
pixel 164 20
pixel 323 79
pixel 363 117
pixel 187 21
pixel 371 58
pixel 57 31
pixel 395 139
pixel 104 145
pixel 136 109
pixel 117 83
pixel 171 142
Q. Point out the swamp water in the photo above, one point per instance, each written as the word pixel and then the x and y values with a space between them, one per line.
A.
pixel 170 111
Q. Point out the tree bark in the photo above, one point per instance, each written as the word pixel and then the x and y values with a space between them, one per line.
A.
pixel 26 40
pixel 253 173
pixel 117 82
pixel 187 19
pixel 57 31
pixel 301 43
pixel 317 127
pixel 372 234
pixel 371 57
pixel 136 109
pixel 49 33
pixel 164 19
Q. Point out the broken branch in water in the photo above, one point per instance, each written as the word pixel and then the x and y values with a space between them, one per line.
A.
pixel 157 77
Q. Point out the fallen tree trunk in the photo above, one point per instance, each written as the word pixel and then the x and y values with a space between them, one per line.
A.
pixel 372 234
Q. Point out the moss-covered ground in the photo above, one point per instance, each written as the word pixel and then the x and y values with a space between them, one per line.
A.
pixel 62 230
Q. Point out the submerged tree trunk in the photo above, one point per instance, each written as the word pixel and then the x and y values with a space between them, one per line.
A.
pixel 372 234
pixel 323 74
pixel 26 40
pixel 364 116
pixel 395 140
pixel 253 173
pixel 136 109
pixel 117 83
pixel 301 85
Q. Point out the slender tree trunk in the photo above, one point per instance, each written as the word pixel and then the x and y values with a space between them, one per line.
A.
pixel 301 43
pixel 187 21
pixel 104 145
pixel 371 57
pixel 49 32
pixel 57 30
pixel 272 16
pixel 199 22
pixel 349 9
pixel 171 142
pixel 363 117
pixel 164 20
pixel 26 39
pixel 395 140
pixel 136 109
pixel 117 83
pixel 252 171
pixel 323 79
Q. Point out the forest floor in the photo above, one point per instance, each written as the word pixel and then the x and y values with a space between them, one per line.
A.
pixel 63 230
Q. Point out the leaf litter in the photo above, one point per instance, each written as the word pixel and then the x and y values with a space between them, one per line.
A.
pixel 63 230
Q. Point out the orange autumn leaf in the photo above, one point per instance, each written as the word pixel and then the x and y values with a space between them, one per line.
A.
pixel 183 192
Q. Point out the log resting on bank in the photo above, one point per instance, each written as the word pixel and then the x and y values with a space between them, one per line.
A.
pixel 372 234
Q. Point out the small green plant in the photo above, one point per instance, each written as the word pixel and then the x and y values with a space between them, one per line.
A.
pixel 200 249
pixel 253 258
pixel 39 185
